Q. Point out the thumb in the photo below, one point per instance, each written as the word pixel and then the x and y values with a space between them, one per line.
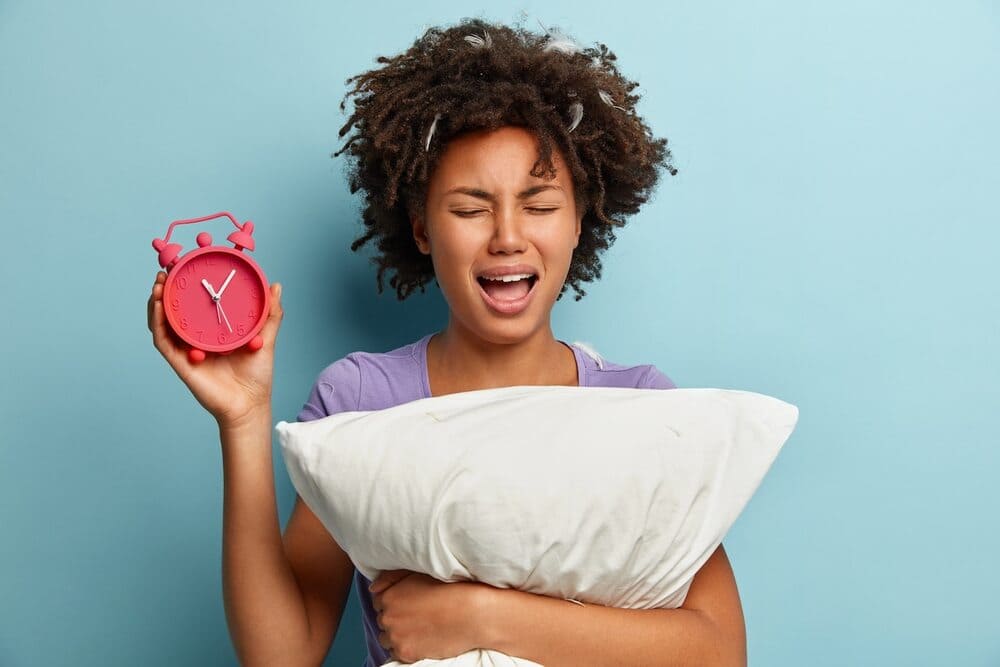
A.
pixel 275 313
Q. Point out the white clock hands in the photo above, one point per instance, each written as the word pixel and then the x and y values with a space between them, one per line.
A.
pixel 219 312
pixel 225 284
pixel 218 306
pixel 218 298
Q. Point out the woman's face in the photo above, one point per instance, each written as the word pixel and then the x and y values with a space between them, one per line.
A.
pixel 486 214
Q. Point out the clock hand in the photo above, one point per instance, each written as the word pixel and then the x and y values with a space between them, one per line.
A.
pixel 225 284
pixel 219 306
pixel 215 298
pixel 208 286
pixel 219 312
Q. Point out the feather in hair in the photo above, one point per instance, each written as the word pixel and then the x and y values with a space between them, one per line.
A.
pixel 560 42
pixel 478 42
pixel 430 133
pixel 607 99
pixel 576 115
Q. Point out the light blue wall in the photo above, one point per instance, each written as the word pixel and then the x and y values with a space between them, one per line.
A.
pixel 831 239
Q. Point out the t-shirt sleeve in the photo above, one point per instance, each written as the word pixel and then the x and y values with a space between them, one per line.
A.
pixel 655 379
pixel 337 389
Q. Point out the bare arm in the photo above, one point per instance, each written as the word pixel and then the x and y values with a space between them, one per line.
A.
pixel 283 595
pixel 707 630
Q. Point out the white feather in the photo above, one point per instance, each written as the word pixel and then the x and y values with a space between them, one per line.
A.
pixel 558 42
pixel 480 42
pixel 576 115
pixel 591 352
pixel 607 99
pixel 430 133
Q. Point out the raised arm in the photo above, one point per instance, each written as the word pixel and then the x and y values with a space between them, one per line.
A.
pixel 283 595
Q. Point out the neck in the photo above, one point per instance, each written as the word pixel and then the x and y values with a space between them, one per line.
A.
pixel 459 360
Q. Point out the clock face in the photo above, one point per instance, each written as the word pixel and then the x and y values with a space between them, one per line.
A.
pixel 215 299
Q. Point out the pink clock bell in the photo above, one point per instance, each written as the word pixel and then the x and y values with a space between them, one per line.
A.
pixel 216 298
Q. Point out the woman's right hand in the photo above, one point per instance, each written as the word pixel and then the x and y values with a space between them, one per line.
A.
pixel 232 387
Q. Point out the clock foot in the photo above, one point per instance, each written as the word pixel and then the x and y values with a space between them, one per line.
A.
pixel 196 356
pixel 256 343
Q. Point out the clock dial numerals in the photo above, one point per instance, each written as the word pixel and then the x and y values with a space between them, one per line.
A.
pixel 216 300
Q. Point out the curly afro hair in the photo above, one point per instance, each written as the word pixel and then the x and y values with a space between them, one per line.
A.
pixel 477 75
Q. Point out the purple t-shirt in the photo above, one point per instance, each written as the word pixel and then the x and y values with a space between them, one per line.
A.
pixel 375 381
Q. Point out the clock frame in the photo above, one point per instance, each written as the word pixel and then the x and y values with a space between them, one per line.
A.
pixel 215 298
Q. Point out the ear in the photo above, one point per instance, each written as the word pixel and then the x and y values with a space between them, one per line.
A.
pixel 579 228
pixel 420 235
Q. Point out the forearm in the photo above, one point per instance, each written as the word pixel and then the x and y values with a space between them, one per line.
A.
pixel 556 632
pixel 264 606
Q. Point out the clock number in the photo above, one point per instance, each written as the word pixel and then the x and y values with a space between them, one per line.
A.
pixel 175 303
pixel 200 337
pixel 222 338
pixel 184 323
pixel 182 282
pixel 241 330
pixel 253 315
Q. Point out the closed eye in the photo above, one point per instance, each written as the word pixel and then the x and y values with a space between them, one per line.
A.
pixel 475 212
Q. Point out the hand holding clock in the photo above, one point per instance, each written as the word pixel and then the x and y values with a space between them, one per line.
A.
pixel 233 387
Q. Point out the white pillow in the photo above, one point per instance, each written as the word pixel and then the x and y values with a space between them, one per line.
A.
pixel 610 495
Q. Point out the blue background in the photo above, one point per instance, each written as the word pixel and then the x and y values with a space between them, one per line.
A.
pixel 831 239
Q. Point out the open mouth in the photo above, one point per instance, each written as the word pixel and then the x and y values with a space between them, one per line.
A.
pixel 507 290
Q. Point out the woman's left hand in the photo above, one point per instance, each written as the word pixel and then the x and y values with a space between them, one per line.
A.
pixel 422 617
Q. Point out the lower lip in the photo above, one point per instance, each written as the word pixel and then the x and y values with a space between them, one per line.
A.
pixel 508 307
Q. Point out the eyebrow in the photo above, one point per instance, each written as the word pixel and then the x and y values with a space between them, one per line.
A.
pixel 482 194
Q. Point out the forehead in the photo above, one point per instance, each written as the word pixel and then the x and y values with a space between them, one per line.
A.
pixel 496 160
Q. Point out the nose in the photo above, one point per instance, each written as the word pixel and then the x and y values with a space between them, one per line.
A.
pixel 508 231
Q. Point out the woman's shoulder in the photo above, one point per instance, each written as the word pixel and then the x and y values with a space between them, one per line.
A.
pixel 600 372
pixel 365 380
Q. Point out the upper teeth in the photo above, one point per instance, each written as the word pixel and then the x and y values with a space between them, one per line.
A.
pixel 510 278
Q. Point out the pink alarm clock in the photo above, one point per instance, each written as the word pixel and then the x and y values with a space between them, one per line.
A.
pixel 216 298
